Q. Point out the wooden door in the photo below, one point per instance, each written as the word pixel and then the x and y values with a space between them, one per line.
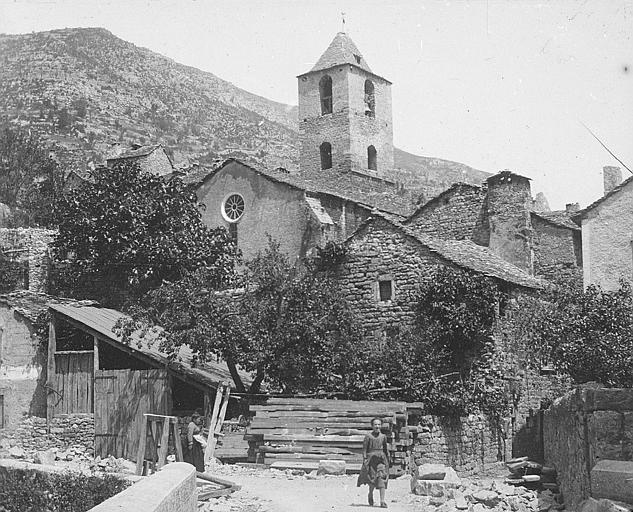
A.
pixel 73 384
pixel 121 399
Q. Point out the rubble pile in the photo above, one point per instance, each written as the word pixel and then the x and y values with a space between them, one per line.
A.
pixel 439 488
pixel 527 472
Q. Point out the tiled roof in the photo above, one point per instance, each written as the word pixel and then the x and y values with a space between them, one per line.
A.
pixel 198 173
pixel 560 218
pixel 579 215
pixel 342 50
pixel 352 187
pixel 135 153
pixel 468 255
pixel 103 321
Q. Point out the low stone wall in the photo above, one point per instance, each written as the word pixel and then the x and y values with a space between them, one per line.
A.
pixel 466 444
pixel 582 428
pixel 71 434
pixel 172 489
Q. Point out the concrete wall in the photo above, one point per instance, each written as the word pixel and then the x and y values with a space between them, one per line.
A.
pixel 459 214
pixel 583 427
pixel 30 245
pixel 607 235
pixel 173 489
pixel 21 367
pixel 465 444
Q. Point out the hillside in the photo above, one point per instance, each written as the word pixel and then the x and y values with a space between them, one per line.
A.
pixel 85 89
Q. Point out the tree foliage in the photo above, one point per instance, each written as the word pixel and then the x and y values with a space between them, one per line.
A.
pixel 448 360
pixel 587 335
pixel 31 182
pixel 127 231
pixel 286 324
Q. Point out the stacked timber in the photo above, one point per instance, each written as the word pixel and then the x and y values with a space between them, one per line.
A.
pixel 298 432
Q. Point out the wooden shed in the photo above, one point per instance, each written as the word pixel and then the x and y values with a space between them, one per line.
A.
pixel 90 369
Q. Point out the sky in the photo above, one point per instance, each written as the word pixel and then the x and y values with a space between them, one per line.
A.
pixel 494 84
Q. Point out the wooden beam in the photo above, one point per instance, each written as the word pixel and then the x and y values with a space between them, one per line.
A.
pixel 51 379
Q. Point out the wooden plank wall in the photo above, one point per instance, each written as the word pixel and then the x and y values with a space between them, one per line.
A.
pixel 121 399
pixel 73 382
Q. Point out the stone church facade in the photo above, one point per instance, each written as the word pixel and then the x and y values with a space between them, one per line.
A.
pixel 346 180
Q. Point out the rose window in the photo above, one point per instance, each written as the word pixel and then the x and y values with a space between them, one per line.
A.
pixel 233 207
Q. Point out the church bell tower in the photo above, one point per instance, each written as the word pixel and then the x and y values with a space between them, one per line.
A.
pixel 345 119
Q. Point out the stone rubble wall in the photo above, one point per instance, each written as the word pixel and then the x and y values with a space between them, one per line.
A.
pixel 583 427
pixel 30 246
pixel 72 434
pixel 466 444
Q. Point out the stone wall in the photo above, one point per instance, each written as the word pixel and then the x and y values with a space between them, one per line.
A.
pixel 173 489
pixel 458 214
pixel 72 434
pixel 581 428
pixel 29 246
pixel 347 128
pixel 509 205
pixel 465 444
pixel 556 250
pixel 21 366
pixel 381 252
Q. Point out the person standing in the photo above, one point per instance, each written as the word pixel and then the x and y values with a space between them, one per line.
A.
pixel 193 453
pixel 375 469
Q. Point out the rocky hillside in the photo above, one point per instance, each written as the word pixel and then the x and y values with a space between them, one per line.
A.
pixel 84 89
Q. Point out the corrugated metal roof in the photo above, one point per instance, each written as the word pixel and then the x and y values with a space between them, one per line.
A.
pixel 103 320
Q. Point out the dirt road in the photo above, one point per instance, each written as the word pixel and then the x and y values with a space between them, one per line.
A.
pixel 271 491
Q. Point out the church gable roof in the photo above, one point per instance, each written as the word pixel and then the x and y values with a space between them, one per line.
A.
pixel 342 50
pixel 356 189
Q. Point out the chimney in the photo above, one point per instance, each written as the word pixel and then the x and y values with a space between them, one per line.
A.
pixel 612 177
pixel 572 207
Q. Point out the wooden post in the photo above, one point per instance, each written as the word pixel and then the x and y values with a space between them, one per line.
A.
pixel 208 452
pixel 96 355
pixel 140 455
pixel 215 433
pixel 51 380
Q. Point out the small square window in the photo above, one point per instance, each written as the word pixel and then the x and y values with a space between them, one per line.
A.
pixel 385 290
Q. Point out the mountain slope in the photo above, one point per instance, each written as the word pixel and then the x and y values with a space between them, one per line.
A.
pixel 84 89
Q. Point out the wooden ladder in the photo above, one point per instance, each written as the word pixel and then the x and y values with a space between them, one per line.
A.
pixel 158 428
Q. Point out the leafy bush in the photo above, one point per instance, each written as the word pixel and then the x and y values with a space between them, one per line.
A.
pixel 30 491
pixel 587 335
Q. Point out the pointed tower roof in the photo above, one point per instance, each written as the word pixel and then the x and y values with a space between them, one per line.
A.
pixel 342 50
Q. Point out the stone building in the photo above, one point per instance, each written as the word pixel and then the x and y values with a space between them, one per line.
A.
pixel 150 158
pixel 500 216
pixel 607 233
pixel 387 261
pixel 29 248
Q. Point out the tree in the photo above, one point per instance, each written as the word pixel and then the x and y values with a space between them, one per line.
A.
pixel 30 180
pixel 127 231
pixel 587 335
pixel 288 325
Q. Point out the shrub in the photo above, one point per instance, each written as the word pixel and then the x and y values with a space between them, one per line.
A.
pixel 31 491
